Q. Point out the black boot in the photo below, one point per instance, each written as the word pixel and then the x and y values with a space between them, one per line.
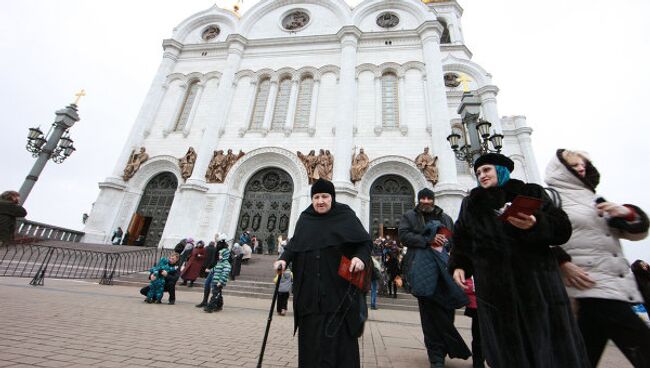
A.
pixel 191 283
pixel 204 302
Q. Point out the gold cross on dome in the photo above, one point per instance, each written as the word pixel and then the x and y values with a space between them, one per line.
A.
pixel 79 95
pixel 465 81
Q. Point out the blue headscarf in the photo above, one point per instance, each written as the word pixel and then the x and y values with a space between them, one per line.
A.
pixel 503 175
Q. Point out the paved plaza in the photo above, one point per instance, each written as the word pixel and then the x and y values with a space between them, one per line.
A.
pixel 81 324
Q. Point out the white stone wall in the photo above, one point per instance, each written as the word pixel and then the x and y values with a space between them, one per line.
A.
pixel 201 209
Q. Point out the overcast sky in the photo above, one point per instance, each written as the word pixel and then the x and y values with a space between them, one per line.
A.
pixel 578 70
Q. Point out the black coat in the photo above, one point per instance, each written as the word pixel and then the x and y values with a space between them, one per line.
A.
pixel 524 312
pixel 9 211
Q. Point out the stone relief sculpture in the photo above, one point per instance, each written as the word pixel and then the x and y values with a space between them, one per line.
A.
pixel 360 163
pixel 220 165
pixel 186 163
pixel 134 163
pixel 320 166
pixel 427 164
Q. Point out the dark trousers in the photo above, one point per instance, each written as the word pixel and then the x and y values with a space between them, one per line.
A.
pixel 477 352
pixel 170 287
pixel 283 299
pixel 603 319
pixel 392 286
pixel 318 350
pixel 440 336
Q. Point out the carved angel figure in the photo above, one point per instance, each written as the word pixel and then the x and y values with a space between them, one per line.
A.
pixel 217 168
pixel 428 165
pixel 134 163
pixel 187 162
pixel 359 165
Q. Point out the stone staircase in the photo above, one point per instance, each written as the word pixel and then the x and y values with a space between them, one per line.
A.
pixel 256 281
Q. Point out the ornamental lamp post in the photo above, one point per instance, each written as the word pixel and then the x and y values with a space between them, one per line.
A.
pixel 55 145
pixel 472 139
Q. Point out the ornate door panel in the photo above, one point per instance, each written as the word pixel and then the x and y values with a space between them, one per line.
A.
pixel 155 203
pixel 266 208
pixel 390 197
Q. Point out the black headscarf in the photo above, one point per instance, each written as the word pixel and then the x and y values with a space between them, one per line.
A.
pixel 339 226
pixel 592 176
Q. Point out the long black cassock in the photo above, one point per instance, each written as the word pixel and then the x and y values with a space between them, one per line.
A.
pixel 328 311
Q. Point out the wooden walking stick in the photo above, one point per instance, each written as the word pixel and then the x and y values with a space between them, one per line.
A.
pixel 268 323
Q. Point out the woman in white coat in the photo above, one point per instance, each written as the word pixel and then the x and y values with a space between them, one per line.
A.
pixel 597 274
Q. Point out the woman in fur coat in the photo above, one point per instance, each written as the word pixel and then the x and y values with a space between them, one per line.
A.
pixel 524 313
pixel 598 276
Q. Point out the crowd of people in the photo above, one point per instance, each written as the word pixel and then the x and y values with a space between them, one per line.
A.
pixel 546 284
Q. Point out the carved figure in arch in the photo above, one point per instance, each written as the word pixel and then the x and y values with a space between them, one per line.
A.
pixel 309 161
pixel 329 165
pixel 186 163
pixel 428 165
pixel 217 168
pixel 320 169
pixel 231 158
pixel 210 33
pixel 295 20
pixel 359 165
pixel 134 163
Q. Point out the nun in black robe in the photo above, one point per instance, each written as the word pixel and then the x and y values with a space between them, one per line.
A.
pixel 329 312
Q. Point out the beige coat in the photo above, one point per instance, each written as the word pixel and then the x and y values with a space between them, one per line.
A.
pixel 593 245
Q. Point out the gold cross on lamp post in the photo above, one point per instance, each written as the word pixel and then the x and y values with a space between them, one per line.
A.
pixel 465 81
pixel 79 95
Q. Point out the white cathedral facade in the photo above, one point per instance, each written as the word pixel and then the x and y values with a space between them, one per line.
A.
pixel 300 75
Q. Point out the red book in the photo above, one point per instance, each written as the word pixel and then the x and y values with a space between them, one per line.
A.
pixel 360 279
pixel 521 204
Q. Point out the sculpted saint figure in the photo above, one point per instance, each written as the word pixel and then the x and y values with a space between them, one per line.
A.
pixel 217 168
pixel 329 166
pixel 309 161
pixel 359 165
pixel 231 158
pixel 135 160
pixel 187 162
pixel 320 170
pixel 427 164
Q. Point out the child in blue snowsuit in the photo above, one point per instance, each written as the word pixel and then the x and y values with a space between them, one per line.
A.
pixel 157 281
pixel 221 273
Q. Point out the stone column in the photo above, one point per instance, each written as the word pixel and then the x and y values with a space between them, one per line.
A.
pixel 523 132
pixel 313 108
pixel 430 32
pixel 180 101
pixel 195 106
pixel 225 91
pixel 251 108
pixel 270 104
pixel 401 98
pixel 488 96
pixel 147 113
pixel 349 36
pixel 427 108
pixel 156 106
pixel 379 117
pixel 291 109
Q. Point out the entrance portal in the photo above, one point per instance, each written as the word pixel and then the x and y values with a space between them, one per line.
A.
pixel 390 197
pixel 266 207
pixel 149 220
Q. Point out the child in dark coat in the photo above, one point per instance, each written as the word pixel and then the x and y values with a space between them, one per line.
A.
pixel 221 272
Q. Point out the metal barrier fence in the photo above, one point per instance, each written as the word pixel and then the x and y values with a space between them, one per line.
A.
pixel 76 261
pixel 32 229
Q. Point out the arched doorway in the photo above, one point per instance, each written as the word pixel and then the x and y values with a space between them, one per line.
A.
pixel 266 207
pixel 150 217
pixel 390 197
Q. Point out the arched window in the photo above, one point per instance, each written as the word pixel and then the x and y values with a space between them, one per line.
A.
pixel 187 105
pixel 260 104
pixel 281 104
pixel 445 37
pixel 389 102
pixel 303 106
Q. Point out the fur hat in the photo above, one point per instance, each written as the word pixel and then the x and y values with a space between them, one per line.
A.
pixel 323 186
pixel 426 192
pixel 494 159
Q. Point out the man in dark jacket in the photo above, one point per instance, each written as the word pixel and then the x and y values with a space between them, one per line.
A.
pixel 171 278
pixel 425 232
pixel 10 209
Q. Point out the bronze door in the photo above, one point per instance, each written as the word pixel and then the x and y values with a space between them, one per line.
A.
pixel 155 204
pixel 266 207
pixel 390 197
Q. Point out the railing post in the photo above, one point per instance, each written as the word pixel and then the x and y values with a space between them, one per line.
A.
pixel 107 279
pixel 38 279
